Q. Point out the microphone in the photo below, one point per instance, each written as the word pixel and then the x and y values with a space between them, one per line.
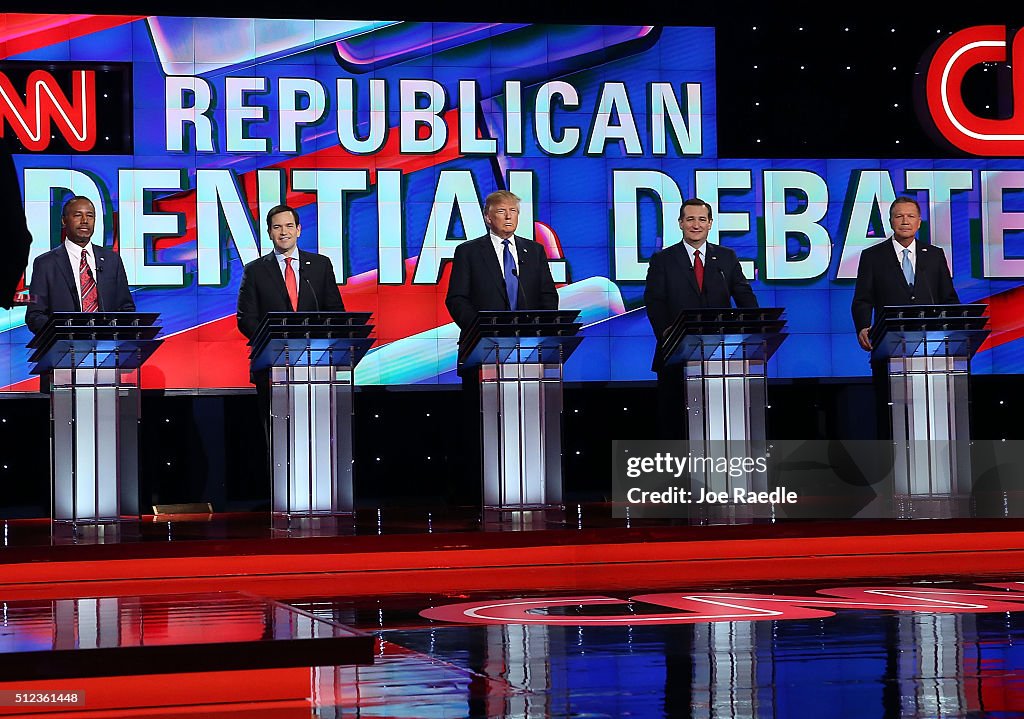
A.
pixel 310 286
pixel 515 273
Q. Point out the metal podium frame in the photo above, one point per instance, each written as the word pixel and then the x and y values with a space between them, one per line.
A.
pixel 927 350
pixel 92 360
pixel 311 358
pixel 518 357
pixel 724 354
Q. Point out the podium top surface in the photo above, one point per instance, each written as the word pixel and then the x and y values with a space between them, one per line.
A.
pixel 902 312
pixel 102 318
pixel 730 314
pixel 64 326
pixel 318 317
pixel 523 317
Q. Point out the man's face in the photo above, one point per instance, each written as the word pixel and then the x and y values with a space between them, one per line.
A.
pixel 905 222
pixel 284 232
pixel 79 222
pixel 503 218
pixel 695 224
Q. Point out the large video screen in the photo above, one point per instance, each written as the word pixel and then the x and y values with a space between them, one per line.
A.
pixel 388 135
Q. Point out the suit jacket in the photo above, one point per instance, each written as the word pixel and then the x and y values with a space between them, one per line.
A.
pixel 263 289
pixel 477 282
pixel 16 235
pixel 54 290
pixel 880 282
pixel 672 284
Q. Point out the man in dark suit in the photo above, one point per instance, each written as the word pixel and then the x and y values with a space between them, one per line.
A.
pixel 689 275
pixel 899 271
pixel 287 279
pixel 499 271
pixel 78 276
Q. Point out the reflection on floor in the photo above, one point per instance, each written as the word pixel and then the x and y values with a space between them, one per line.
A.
pixel 572 618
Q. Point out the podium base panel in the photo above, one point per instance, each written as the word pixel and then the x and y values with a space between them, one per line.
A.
pixel 935 506
pixel 725 407
pixel 79 533
pixel 306 525
pixel 94 436
pixel 311 441
pixel 521 436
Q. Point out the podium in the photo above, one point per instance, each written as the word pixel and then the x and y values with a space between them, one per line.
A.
pixel 311 359
pixel 92 360
pixel 927 351
pixel 724 354
pixel 518 358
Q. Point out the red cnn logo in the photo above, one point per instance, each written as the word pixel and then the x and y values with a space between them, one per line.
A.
pixel 944 92
pixel 45 102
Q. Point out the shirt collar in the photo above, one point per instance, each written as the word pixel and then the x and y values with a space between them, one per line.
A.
pixel 75 251
pixel 899 248
pixel 690 249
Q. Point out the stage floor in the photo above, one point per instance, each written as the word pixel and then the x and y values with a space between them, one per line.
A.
pixel 563 613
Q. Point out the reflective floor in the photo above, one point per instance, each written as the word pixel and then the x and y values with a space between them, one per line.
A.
pixel 561 616
pixel 964 661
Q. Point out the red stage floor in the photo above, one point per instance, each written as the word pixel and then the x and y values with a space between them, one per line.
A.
pixel 557 614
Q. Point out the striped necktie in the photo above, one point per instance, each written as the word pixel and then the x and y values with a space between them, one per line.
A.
pixel 90 296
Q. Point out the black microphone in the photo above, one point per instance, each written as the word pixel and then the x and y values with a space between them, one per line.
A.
pixel 310 286
pixel 515 273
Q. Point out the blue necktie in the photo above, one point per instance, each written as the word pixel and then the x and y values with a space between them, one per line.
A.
pixel 511 280
pixel 908 269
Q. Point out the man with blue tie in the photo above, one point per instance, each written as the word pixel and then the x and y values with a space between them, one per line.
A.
pixel 499 271
pixel 78 276
pixel 899 271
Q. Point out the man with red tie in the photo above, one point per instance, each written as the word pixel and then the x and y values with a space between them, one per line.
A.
pixel 689 275
pixel 285 280
pixel 78 276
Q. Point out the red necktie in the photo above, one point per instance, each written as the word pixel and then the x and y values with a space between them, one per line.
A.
pixel 290 283
pixel 698 270
pixel 90 299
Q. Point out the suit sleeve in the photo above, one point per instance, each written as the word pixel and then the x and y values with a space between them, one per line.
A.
pixel 739 286
pixel 38 311
pixel 248 315
pixel 125 301
pixel 863 293
pixel 331 293
pixel 946 293
pixel 656 295
pixel 548 293
pixel 16 235
pixel 458 302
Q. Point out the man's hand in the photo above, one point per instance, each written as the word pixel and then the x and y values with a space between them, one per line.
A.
pixel 862 338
